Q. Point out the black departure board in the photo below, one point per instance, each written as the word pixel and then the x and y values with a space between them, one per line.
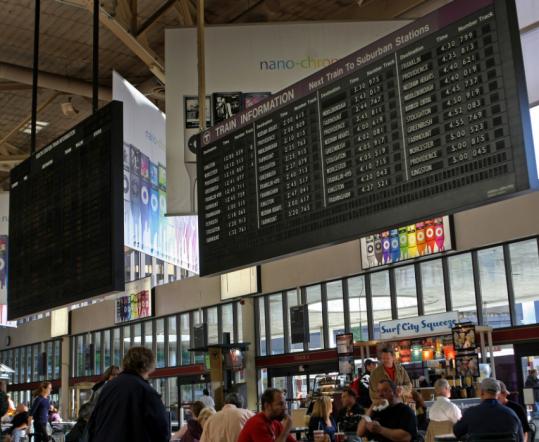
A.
pixel 66 218
pixel 431 119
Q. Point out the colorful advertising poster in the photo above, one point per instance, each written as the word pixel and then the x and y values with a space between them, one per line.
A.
pixel 147 229
pixel 407 242
pixel 136 302
pixel 464 338
pixel 4 229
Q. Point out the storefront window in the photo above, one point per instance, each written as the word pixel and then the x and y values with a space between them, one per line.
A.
pixel 316 321
pixel 88 356
pixel 127 338
pixel 335 310
pixel 106 349
pixel 35 365
pixel 148 334
pixel 357 298
pixel 160 342
pixel 525 274
pixel 261 326
pixel 172 341
pixel 185 343
pixel 116 348
pixel 494 287
pixel 461 283
pixel 172 387
pixel 160 272
pixel 137 334
pixel 227 319
pixel 432 282
pixel 239 325
pixel 276 323
pixel 97 350
pixel 80 356
pixel 213 325
pixel 406 291
pixel 294 299
pixel 381 300
pixel 22 368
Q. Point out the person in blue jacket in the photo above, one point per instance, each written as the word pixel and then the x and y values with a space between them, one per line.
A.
pixel 321 418
pixel 128 408
pixel 40 411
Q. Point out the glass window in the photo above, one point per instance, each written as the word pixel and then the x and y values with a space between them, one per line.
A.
pixel 261 326
pixel 160 342
pixel 432 282
pixel 80 356
pixel 461 283
pixel 22 366
pixel 227 319
pixel 172 387
pixel 148 334
pixel 381 300
pixel 357 298
pixel 335 311
pixel 137 334
pixel 35 365
pixel 185 333
pixel 171 272
pixel 494 287
pixel 106 349
pixel 49 360
pixel 88 356
pixel 276 323
pixel 239 316
pixel 127 262
pixel 116 348
pixel 57 359
pixel 525 275
pixel 213 326
pixel 97 349
pixel 148 267
pixel 316 322
pixel 294 298
pixel 406 291
pixel 172 341
pixel 160 271
pixel 127 338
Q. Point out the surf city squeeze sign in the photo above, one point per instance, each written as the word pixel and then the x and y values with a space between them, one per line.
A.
pixel 400 328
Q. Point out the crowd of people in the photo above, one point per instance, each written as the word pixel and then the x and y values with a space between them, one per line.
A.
pixel 124 407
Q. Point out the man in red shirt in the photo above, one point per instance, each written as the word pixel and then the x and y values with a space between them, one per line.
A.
pixel 271 424
pixel 391 371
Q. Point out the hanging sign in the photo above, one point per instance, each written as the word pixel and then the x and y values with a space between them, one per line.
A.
pixel 438 323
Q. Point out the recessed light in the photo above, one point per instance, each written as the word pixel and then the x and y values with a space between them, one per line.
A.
pixel 39 125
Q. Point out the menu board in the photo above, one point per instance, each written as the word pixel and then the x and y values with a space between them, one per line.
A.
pixel 66 218
pixel 426 121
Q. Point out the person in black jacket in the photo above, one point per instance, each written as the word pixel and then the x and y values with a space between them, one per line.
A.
pixel 349 414
pixel 76 433
pixel 128 408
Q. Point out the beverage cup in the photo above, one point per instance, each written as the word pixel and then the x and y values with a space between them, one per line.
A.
pixel 340 437
pixel 318 435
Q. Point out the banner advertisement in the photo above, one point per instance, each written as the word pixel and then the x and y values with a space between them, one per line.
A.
pixel 136 302
pixel 406 242
pixel 429 324
pixel 4 230
pixel 147 229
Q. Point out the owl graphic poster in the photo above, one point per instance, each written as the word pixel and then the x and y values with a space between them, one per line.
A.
pixel 402 243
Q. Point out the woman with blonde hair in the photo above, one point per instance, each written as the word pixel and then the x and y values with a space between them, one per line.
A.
pixel 204 415
pixel 321 419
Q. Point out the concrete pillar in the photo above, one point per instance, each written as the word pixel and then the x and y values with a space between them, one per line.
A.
pixel 64 376
pixel 249 335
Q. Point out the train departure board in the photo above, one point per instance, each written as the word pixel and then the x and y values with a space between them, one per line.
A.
pixel 66 218
pixel 431 119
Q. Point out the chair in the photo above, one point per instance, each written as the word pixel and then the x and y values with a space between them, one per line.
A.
pixel 497 437
pixel 437 428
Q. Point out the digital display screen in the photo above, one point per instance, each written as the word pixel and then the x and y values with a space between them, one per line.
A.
pixel 428 120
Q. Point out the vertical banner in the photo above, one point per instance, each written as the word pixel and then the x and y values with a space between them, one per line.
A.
pixel 147 229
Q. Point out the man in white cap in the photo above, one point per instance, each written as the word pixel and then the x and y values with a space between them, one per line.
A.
pixel 489 416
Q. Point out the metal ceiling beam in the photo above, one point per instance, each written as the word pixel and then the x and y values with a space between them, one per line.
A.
pixel 55 82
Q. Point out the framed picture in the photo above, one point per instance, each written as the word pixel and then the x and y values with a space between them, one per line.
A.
pixel 467 365
pixel 225 105
pixel 345 343
pixel 346 364
pixel 191 113
pixel 464 338
pixel 253 98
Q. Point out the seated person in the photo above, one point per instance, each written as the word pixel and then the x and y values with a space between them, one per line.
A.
pixel 20 423
pixel 443 414
pixel 391 420
pixel 516 407
pixel 321 418
pixel 420 411
pixel 75 434
pixel 350 413
pixel 196 408
pixel 489 416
